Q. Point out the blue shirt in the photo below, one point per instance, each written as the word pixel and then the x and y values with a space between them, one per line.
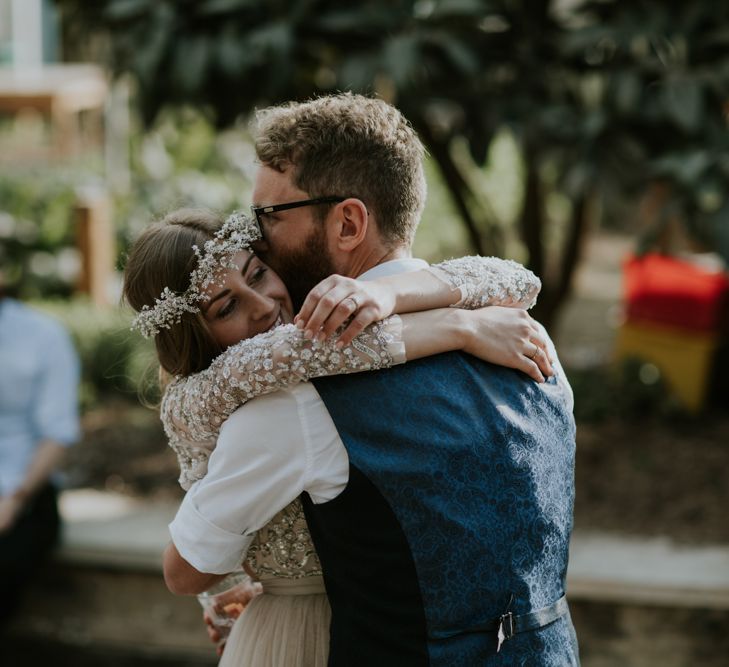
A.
pixel 39 374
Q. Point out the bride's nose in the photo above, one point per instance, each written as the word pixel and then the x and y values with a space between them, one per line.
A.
pixel 260 306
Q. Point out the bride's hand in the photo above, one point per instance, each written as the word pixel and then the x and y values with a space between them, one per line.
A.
pixel 508 337
pixel 336 299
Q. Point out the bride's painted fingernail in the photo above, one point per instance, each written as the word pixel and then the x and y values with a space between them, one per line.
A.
pixel 299 322
pixel 320 336
pixel 308 334
pixel 339 345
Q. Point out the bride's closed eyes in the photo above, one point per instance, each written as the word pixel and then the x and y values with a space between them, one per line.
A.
pixel 256 276
pixel 256 273
pixel 247 300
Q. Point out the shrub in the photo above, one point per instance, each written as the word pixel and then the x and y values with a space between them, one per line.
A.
pixel 37 232
pixel 115 362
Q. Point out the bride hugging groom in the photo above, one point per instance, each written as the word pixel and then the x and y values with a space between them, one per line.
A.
pixel 394 462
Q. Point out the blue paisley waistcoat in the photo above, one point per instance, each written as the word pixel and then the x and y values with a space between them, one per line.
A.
pixel 460 496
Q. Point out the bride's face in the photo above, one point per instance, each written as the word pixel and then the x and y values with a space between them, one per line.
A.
pixel 245 301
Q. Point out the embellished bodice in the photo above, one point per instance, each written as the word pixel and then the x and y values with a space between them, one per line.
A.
pixel 283 548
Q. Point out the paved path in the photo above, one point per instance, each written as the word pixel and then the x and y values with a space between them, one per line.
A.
pixel 119 532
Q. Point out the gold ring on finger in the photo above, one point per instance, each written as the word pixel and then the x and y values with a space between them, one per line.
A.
pixel 535 353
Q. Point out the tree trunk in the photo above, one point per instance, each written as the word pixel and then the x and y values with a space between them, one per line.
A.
pixel 559 288
pixel 532 215
pixel 454 180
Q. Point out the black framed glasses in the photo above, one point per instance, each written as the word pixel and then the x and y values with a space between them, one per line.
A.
pixel 257 211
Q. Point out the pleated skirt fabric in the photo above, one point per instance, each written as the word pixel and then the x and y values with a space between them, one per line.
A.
pixel 286 626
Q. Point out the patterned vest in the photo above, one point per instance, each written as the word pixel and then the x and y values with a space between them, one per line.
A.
pixel 460 496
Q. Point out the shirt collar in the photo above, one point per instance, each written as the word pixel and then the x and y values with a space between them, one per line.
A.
pixel 393 267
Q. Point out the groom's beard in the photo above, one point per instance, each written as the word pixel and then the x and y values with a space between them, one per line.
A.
pixel 304 268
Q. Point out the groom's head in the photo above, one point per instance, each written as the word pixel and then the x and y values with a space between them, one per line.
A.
pixel 363 159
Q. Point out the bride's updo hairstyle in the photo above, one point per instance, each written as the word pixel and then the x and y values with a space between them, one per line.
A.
pixel 161 257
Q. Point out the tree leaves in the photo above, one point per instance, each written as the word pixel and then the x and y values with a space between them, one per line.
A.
pixel 684 102
pixel 609 93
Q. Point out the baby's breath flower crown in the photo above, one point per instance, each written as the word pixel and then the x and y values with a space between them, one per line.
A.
pixel 237 233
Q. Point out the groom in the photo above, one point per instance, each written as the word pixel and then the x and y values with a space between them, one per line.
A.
pixel 444 531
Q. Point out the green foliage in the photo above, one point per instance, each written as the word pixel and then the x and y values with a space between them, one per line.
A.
pixel 603 98
pixel 663 69
pixel 182 160
pixel 635 390
pixel 37 235
pixel 114 360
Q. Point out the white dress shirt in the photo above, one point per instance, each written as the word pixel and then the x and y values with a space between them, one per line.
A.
pixel 269 452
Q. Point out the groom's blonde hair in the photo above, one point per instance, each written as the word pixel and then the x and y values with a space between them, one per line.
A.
pixel 350 146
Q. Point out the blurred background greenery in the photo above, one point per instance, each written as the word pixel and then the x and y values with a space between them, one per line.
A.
pixel 545 122
pixel 564 134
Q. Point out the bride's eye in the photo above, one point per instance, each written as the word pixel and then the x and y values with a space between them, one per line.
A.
pixel 258 274
pixel 226 310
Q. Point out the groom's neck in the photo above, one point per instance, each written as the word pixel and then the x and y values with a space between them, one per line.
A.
pixel 374 256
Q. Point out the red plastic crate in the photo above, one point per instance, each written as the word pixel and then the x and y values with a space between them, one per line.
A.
pixel 666 290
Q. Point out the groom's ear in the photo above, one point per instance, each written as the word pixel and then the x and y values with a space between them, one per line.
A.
pixel 352 223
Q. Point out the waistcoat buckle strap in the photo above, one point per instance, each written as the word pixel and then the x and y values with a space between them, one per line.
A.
pixel 508 624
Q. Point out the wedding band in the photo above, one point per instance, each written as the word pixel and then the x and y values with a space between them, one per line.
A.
pixel 536 352
pixel 353 299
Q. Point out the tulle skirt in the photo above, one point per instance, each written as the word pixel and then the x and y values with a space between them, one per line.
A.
pixel 286 626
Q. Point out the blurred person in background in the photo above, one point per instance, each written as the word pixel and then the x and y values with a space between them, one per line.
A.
pixel 39 375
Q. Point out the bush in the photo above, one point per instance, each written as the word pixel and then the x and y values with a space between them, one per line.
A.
pixel 631 390
pixel 114 360
pixel 37 232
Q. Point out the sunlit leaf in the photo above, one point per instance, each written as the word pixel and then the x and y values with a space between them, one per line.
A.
pixel 214 7
pixel 190 63
pixel 684 168
pixel 627 91
pixel 684 102
pixel 402 58
pixel 717 226
pixel 120 10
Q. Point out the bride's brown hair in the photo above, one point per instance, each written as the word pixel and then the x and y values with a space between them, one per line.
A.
pixel 162 257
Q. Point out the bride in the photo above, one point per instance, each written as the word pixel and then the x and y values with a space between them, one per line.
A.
pixel 225 332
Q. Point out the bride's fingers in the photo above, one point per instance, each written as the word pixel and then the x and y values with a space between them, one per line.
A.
pixel 364 318
pixel 343 311
pixel 314 297
pixel 532 370
pixel 324 308
pixel 537 337
pixel 537 354
pixel 544 363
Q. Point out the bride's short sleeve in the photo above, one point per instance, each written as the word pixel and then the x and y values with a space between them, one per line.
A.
pixel 194 407
pixel 489 281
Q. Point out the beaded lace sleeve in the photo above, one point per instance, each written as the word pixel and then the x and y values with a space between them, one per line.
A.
pixel 194 408
pixel 489 281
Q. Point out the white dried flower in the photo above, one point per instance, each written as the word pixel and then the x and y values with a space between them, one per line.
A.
pixel 237 233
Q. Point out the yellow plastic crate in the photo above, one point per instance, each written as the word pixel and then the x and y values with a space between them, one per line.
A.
pixel 683 357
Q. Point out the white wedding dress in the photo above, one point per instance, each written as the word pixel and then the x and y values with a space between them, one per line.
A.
pixel 288 625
